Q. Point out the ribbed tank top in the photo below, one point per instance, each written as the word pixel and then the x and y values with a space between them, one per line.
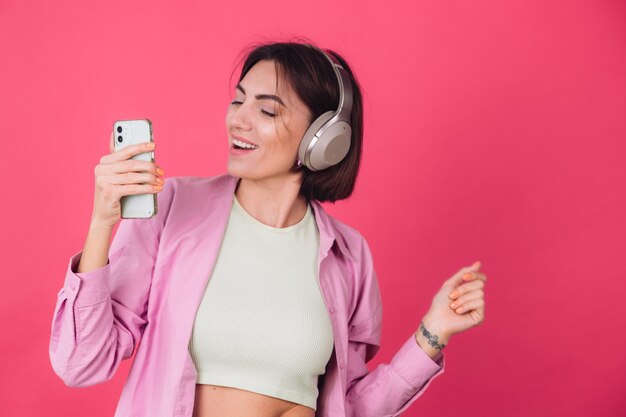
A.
pixel 262 324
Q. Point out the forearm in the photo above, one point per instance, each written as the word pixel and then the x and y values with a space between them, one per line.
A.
pixel 430 339
pixel 390 388
pixel 96 250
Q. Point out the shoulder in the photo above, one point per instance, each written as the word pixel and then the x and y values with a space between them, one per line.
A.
pixel 191 184
pixel 191 195
pixel 350 241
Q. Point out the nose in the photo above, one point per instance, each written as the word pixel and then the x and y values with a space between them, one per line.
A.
pixel 238 117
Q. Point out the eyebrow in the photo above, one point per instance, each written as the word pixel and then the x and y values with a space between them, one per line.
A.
pixel 263 96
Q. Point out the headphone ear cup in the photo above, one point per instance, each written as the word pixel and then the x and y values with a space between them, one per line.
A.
pixel 310 134
pixel 332 146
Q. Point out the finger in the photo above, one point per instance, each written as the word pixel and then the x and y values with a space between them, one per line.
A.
pixel 133 165
pixel 132 189
pixel 468 276
pixel 470 305
pixel 465 288
pixel 467 297
pixel 477 315
pixel 457 278
pixel 130 178
pixel 132 150
pixel 127 152
pixel 123 167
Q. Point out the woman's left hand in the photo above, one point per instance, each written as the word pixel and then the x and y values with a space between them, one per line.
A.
pixel 459 304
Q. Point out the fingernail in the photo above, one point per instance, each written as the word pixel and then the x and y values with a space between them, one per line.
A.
pixel 160 171
pixel 454 294
pixel 467 275
pixel 476 263
pixel 150 145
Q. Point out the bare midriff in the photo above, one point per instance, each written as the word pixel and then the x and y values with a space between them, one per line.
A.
pixel 219 401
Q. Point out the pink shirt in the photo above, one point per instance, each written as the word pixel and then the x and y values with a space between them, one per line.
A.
pixel 152 286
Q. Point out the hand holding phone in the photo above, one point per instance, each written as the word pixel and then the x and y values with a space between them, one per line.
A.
pixel 127 179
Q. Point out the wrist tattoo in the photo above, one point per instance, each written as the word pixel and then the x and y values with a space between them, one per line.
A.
pixel 432 338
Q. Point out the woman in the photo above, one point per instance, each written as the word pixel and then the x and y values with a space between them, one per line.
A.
pixel 248 299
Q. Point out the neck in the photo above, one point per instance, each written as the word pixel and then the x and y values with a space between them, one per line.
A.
pixel 273 201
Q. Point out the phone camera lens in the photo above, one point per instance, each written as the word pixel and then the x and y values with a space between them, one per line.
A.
pixel 119 129
pixel 119 139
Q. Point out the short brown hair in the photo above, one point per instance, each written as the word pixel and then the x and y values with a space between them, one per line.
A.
pixel 313 79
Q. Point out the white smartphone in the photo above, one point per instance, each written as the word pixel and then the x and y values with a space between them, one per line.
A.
pixel 132 132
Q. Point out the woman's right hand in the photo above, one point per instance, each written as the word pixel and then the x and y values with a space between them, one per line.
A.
pixel 116 176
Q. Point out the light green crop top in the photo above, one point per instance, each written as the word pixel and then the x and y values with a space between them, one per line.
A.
pixel 262 325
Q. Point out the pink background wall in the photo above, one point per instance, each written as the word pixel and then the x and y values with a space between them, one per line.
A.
pixel 494 131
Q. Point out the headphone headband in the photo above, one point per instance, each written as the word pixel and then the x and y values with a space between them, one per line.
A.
pixel 343 79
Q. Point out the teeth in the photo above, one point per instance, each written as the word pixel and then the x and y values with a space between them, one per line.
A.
pixel 244 144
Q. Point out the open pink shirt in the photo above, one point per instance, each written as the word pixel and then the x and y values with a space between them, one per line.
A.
pixel 151 287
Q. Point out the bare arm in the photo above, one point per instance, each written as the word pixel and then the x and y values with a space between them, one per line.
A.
pixel 96 248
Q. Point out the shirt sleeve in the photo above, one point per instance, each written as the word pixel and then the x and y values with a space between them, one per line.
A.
pixel 392 387
pixel 100 315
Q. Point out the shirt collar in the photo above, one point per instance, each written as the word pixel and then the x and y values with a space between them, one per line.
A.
pixel 328 231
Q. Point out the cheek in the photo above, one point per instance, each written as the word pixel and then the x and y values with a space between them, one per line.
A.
pixel 269 133
pixel 281 142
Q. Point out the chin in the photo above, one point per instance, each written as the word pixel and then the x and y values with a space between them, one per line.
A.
pixel 247 172
pixel 240 171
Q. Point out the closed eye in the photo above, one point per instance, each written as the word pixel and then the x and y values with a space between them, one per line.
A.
pixel 235 102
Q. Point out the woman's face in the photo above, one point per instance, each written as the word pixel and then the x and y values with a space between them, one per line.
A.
pixel 270 121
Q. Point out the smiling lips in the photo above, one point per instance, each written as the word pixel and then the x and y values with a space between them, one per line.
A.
pixel 239 144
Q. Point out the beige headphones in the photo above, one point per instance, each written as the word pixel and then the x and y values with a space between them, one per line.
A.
pixel 327 141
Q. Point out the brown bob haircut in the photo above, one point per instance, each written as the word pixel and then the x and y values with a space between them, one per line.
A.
pixel 312 77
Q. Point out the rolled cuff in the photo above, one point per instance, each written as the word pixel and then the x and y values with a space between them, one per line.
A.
pixel 413 365
pixel 86 288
